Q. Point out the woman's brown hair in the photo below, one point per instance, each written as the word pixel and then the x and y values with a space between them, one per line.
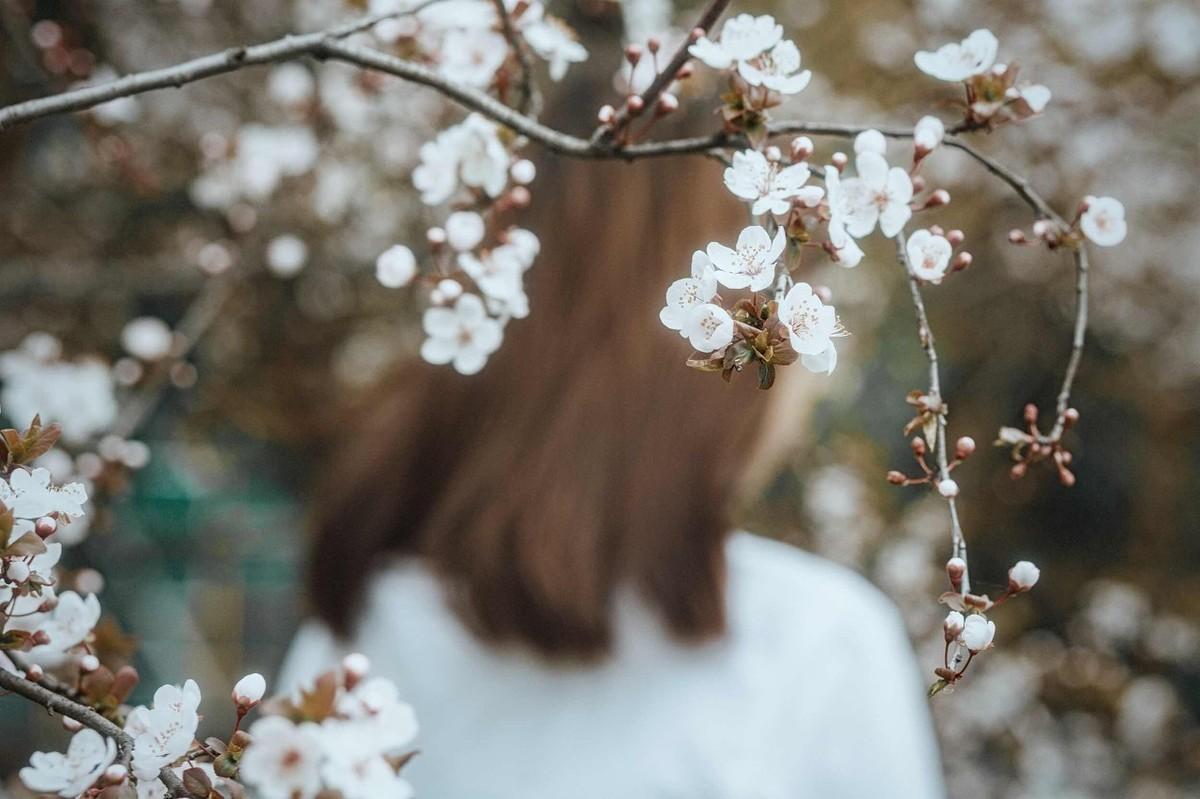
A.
pixel 585 457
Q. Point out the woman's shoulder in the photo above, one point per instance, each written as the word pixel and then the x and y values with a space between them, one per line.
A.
pixel 782 588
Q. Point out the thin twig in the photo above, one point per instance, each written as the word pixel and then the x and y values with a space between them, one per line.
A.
pixel 605 134
pixel 925 332
pixel 57 703
pixel 529 101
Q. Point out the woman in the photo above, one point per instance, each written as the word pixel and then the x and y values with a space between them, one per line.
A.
pixel 540 556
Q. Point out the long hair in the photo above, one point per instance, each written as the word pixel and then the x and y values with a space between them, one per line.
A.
pixel 585 458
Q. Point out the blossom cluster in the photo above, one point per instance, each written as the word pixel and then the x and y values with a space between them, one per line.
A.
pixel 346 735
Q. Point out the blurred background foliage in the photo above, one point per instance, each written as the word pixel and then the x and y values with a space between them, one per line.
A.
pixel 141 208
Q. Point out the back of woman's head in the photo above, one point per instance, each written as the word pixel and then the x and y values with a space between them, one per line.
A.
pixel 585 458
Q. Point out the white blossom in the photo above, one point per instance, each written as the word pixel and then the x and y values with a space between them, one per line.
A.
pixel 30 494
pixel 78 395
pixel 249 690
pixel 471 56
pixel 523 171
pixel 977 633
pixel 1024 575
pixel 497 272
pixel 164 732
pixel 849 254
pixel 1035 95
pixel 952 62
pixel 464 230
pixel 284 760
pixel 877 195
pixel 777 69
pixel 752 177
pixel 1104 221
pixel 40 567
pixel 68 625
pixel 147 337
pixel 469 153
pixel 947 488
pixel 954 623
pixel 870 141
pixel 464 335
pixel 752 264
pixel 811 327
pixel 70 774
pixel 742 38
pixel 688 292
pixel 555 44
pixel 396 266
pixel 928 255
pixel 928 134
pixel 286 255
pixel 290 84
pixel 708 327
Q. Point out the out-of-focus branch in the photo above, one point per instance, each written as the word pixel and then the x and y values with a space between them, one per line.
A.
pixel 929 345
pixel 607 132
pixel 57 703
pixel 529 101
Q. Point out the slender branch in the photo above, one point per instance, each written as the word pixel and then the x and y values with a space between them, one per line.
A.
pixel 928 344
pixel 605 134
pixel 529 101
pixel 57 703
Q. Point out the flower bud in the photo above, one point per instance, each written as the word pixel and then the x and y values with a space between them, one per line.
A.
pixel 919 183
pixel 839 161
pixel 937 230
pixel 953 625
pixel 654 44
pixel 249 691
pixel 685 71
pixel 956 568
pixel 696 34
pixel 35 672
pixel 938 198
pixel 605 114
pixel 520 197
pixel 450 289
pixel 17 572
pixel 964 447
pixel 89 663
pixel 40 637
pixel 523 171
pixel 71 725
pixel 1023 576
pixel 948 488
pixel 962 261
pixel 1042 228
pixel 1017 236
pixel 45 527
pixel 801 148
pixel 1070 417
pixel 918 446
pixel 635 104
pixel 667 104
pixel 633 53
pixel 956 237
pixel 1030 414
pixel 436 236
pixel 896 478
pixel 1018 470
pixel 978 632
pixel 356 665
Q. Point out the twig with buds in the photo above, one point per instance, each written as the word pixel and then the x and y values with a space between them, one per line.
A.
pixel 529 100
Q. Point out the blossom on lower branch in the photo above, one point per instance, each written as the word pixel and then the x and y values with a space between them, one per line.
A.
pixel 70 774
pixel 464 335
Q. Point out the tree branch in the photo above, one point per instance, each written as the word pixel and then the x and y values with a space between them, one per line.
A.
pixel 925 332
pixel 529 101
pixel 604 134
pixel 57 703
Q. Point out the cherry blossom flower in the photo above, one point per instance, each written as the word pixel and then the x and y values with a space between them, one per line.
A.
pixel 464 230
pixel 688 292
pixel 554 43
pixel 39 568
pixel 811 327
pixel 953 625
pixel 497 272
pixel 79 395
pixel 977 633
pixel 469 153
pixel 878 195
pixel 752 264
pixel 1104 221
pixel 472 56
pixel 870 141
pixel 848 253
pixel 742 38
pixel 164 732
pixel 928 134
pixel 30 494
pixel 70 774
pixel 68 625
pixel 777 69
pixel 249 690
pixel 1034 95
pixel 752 177
pixel 354 767
pixel 1023 575
pixel 928 255
pixel 952 62
pixel 147 337
pixel 285 760
pixel 708 327
pixel 464 335
pixel 396 266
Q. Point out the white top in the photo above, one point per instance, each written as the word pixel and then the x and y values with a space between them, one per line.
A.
pixel 813 693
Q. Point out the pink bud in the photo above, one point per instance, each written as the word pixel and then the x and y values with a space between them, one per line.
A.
pixel 962 261
pixel 45 527
pixel 115 774
pixel 801 148
pixel 35 672
pixel 938 198
pixel 1016 236
pixel 436 236
pixel 520 197
pixel 635 104
pixel 249 691
pixel 71 725
pixel 356 664
pixel 956 237
pixel 654 44
pixel 667 103
pixel 839 160
pixel 919 183
pixel 964 447
pixel 605 114
pixel 633 54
